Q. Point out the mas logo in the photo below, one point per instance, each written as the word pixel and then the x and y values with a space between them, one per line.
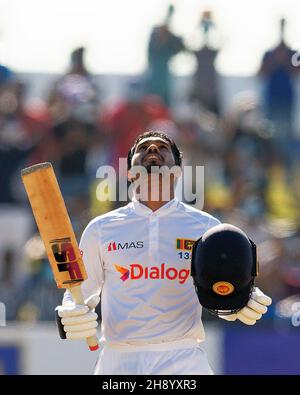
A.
pixel 114 246
pixel 184 244
pixel 137 271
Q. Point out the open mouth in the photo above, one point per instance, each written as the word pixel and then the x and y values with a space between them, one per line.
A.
pixel 152 157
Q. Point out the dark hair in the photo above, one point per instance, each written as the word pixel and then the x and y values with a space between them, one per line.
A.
pixel 177 154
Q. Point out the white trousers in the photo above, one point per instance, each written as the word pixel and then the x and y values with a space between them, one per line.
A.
pixel 184 357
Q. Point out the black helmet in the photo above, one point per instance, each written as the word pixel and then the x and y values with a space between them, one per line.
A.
pixel 224 266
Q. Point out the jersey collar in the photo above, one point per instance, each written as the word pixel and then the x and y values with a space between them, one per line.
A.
pixel 145 211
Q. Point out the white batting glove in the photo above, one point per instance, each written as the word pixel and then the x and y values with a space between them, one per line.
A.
pixel 253 311
pixel 78 321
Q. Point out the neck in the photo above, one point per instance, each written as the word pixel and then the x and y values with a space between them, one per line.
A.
pixel 155 205
pixel 160 199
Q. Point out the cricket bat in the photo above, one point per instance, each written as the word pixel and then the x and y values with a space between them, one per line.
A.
pixel 56 231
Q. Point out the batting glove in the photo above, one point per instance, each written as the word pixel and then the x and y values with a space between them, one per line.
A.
pixel 77 321
pixel 253 311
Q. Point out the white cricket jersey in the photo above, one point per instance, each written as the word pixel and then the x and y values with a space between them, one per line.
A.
pixel 140 261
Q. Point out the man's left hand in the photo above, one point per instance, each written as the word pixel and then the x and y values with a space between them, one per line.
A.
pixel 253 311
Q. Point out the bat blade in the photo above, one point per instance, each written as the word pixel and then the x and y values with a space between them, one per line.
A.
pixel 54 225
pixel 56 230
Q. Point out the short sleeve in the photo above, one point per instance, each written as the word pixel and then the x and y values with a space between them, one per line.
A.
pixel 212 221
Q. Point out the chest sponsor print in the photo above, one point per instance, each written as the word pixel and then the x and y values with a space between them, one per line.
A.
pixel 116 246
pixel 137 271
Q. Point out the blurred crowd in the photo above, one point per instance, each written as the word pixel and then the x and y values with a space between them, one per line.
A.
pixel 251 155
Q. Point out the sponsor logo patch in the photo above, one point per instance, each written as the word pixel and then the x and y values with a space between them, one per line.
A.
pixel 115 246
pixel 184 244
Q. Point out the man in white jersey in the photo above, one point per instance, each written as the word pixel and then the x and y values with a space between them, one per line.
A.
pixel 138 258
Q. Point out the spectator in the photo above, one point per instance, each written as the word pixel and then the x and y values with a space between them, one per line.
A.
pixel 73 108
pixel 22 138
pixel 162 47
pixel 278 71
pixel 75 95
pixel 5 75
pixel 205 85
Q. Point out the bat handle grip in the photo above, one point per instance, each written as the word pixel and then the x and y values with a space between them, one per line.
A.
pixel 76 293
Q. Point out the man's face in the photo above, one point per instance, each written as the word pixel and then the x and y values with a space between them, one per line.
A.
pixel 153 151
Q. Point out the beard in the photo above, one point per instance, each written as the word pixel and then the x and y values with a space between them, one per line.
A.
pixel 152 167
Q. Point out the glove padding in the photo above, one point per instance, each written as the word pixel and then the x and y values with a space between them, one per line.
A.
pixel 253 311
pixel 79 321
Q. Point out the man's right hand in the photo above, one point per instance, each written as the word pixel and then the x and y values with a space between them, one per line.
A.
pixel 77 321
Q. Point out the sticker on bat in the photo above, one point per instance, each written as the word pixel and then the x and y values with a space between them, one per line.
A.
pixel 65 257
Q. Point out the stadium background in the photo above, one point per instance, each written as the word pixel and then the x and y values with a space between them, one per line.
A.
pixel 243 127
